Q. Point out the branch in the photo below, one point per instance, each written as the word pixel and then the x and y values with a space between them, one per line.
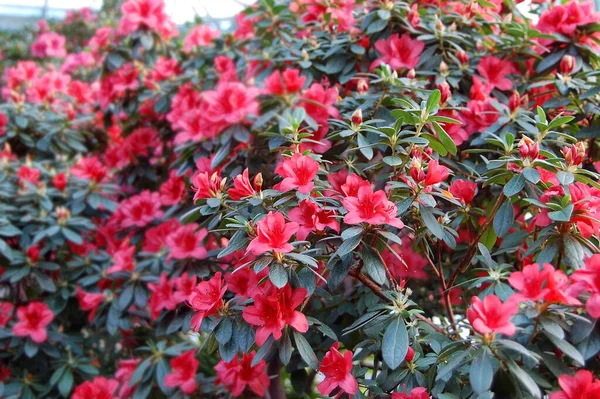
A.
pixel 466 260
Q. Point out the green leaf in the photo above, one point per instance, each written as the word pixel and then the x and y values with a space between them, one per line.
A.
pixel 278 275
pixel 532 175
pixel 514 185
pixel 395 343
pixel 524 378
pixel 481 374
pixel 374 266
pixel 364 146
pixel 504 219
pixel 66 383
pixel 445 139
pixel 305 259
pixel 452 364
pixel 566 348
pixel 392 161
pixel 349 245
pixel 564 215
pixel 335 64
pixel 431 222
pixel 550 60
pixel 238 241
pixel 433 101
pixel 285 349
pixel 435 144
pixel 305 350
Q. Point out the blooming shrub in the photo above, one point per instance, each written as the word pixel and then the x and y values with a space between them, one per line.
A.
pixel 337 198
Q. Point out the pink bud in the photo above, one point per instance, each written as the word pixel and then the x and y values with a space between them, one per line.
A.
pixel 567 64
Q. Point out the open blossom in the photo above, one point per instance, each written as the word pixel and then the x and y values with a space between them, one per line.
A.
pixel 463 190
pixel 207 299
pixel 99 388
pixel 49 44
pixel 244 282
pixel 183 372
pixel 273 234
pixel 590 277
pixel 495 70
pixel 200 36
pixel 531 282
pixel 125 370
pixel 172 190
pixel 90 168
pixel 162 296
pixel 89 301
pixel 311 217
pixel 415 393
pixel 582 385
pixel 238 375
pixel 231 103
pixel 140 210
pixel 491 315
pixel 184 287
pixel 185 242
pixel 337 369
pixel 319 103
pixel 399 51
pixel 146 14
pixel 405 263
pixel 479 115
pixel 207 185
pixel 298 172
pixel 372 208
pixel 274 309
pixel 32 321
pixel 122 259
pixel 566 19
pixel 287 82
pixel 6 309
pixel 242 187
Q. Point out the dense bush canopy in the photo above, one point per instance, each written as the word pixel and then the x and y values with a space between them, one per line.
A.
pixel 355 198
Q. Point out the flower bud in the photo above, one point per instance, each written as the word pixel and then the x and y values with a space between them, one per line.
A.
pixel 463 57
pixel 411 74
pixel 410 355
pixel 443 69
pixel 445 91
pixel 514 101
pixel 575 155
pixel 528 149
pixel 258 181
pixel 567 64
pixel 305 56
pixel 439 25
pixel 362 87
pixel 357 117
pixel 33 253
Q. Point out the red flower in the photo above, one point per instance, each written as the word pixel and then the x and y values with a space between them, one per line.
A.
pixel 494 70
pixel 89 302
pixel 274 309
pixel 90 168
pixel 149 14
pixel 298 172
pixel 184 287
pixel 185 242
pixel 30 175
pixel 319 105
pixel 372 208
pixel 590 277
pixel 140 210
pixel 98 388
pixel 311 217
pixel 237 375
pixel 337 369
pixel 162 296
pixel 479 116
pixel 32 321
pixel 531 282
pixel 565 19
pixel 207 185
pixel 244 282
pixel 125 370
pixel 6 309
pixel 410 265
pixel 3 124
pixel 207 299
pixel 288 82
pixel 273 234
pixel 60 181
pixel 491 315
pixel 463 190
pixel 172 191
pixel 415 393
pixel 183 372
pixel 200 36
pixel 242 187
pixel 231 103
pixel 582 386
pixel 399 51
pixel 122 260
pixel 435 173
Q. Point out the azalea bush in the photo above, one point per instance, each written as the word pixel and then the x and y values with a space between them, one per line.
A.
pixel 364 199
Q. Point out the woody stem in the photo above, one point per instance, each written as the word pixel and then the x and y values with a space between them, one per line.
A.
pixel 276 390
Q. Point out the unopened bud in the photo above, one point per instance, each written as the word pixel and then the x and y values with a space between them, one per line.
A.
pixel 445 91
pixel 305 56
pixel 514 101
pixel 258 182
pixel 411 74
pixel 567 64
pixel 362 86
pixel 357 117
pixel 575 155
pixel 410 354
pixel 439 25
pixel 443 68
pixel 463 57
pixel 529 150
